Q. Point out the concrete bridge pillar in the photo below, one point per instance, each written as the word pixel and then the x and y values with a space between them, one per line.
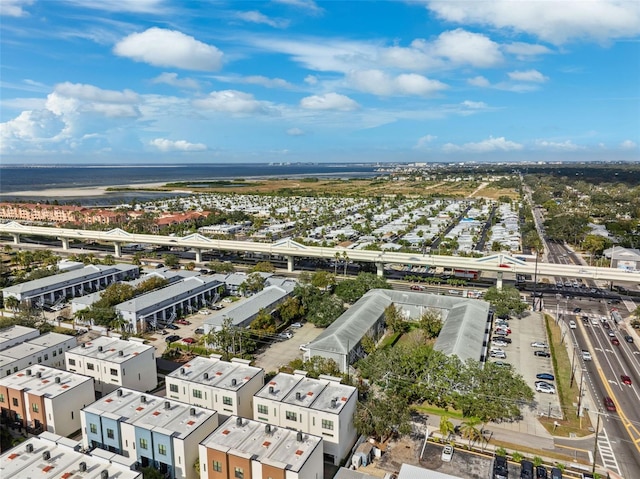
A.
pixel 499 280
pixel 118 249
pixel 380 269
pixel 198 252
pixel 290 264
pixel 65 243
pixel 16 238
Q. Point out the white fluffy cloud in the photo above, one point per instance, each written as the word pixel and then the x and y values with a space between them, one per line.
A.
pixel 231 101
pixel 77 98
pixel 31 125
pixel 628 145
pixel 169 48
pixel 552 21
pixel 329 101
pixel 255 16
pixel 567 145
pixel 166 145
pixel 383 84
pixel 295 132
pixel 136 6
pixel 463 47
pixel 479 81
pixel 14 8
pixel 524 51
pixel 485 146
pixel 423 142
pixel 173 80
pixel 528 76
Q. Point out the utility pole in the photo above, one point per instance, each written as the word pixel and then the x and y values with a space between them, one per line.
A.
pixel 595 445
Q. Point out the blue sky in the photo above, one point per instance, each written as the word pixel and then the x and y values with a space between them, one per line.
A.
pixel 161 81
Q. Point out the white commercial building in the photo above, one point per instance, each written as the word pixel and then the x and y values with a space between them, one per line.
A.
pixel 115 363
pixel 46 350
pixel 54 289
pixel 242 448
pixel 227 387
pixel 50 456
pixel 322 407
pixel 46 399
pixel 16 334
pixel 156 432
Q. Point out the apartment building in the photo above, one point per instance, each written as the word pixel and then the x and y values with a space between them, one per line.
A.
pixel 57 288
pixel 51 456
pixel 322 407
pixel 156 432
pixel 227 387
pixel 42 398
pixel 45 350
pixel 59 213
pixel 16 334
pixel 243 448
pixel 115 363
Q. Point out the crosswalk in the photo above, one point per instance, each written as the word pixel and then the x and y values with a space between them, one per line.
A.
pixel 605 448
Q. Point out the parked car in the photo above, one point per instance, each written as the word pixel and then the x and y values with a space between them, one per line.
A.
pixel 500 468
pixel 172 338
pixel 541 472
pixel 500 332
pixel 609 404
pixel 556 473
pixel 526 469
pixel 199 331
pixel 505 339
pixel 626 379
pixel 296 325
pixel 183 321
pixel 545 376
pixel 285 335
pixel 544 354
pixel 447 453
pixel 539 344
pixel 499 343
pixel 498 354
pixel 172 326
pixel 189 340
pixel 502 364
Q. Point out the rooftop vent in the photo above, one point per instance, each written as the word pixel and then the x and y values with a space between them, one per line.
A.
pixel 192 411
pixel 334 402
pixel 38 374
pixel 57 379
pixel 120 353
pixel 83 345
pixel 99 348
pixel 28 372
pixel 119 393
pixel 29 447
pixel 239 421
pixel 143 398
pixel 104 474
pixel 46 455
pixel 298 395
pixel 234 382
pixel 206 375
pixel 167 405
pixel 82 466
pixel 271 390
pixel 267 428
pixel 182 370
pixel 299 436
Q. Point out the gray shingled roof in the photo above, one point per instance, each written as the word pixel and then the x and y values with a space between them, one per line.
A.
pixel 462 334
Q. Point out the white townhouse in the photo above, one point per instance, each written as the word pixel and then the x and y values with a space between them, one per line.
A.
pixel 165 304
pixel 51 456
pixel 227 387
pixel 322 407
pixel 55 289
pixel 115 363
pixel 242 448
pixel 156 432
pixel 16 334
pixel 46 399
pixel 46 350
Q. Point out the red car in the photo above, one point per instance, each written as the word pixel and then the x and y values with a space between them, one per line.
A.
pixel 417 287
pixel 626 380
pixel 615 341
pixel 502 265
pixel 189 340
pixel 609 404
pixel 183 321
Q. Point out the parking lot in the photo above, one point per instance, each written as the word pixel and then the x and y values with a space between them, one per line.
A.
pixel 286 350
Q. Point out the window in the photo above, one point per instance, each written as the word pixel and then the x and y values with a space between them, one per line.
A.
pixel 93 428
pixel 46 357
pixel 227 401
pixel 72 362
pixel 262 409
pixel 326 424
pixel 1 397
pixel 143 444
pixel 114 372
pixel 291 416
pixel 35 407
pixel 90 366
pixel 15 401
pixel 173 388
pixel 197 393
pixel 217 466
pixel 110 434
pixel 238 472
pixel 162 449
pixel 60 350
pixel 39 359
pixel 55 353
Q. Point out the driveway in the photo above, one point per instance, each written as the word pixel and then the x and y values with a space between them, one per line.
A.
pixel 285 351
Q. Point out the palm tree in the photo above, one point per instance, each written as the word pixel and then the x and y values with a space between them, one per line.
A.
pixel 470 430
pixel 446 428
pixel 335 269
pixel 346 261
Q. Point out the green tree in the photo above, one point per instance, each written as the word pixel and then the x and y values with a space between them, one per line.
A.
pixel 325 311
pixel 323 280
pixel 505 301
pixel 470 430
pixel 221 267
pixel 171 260
pixel 394 320
pixel 290 309
pixel 431 323
pixel 253 284
pixel 380 416
pixel 263 324
pixel 11 302
pixel 315 366
pixel 446 427
pixel 263 267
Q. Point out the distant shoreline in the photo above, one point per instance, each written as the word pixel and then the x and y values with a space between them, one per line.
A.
pixel 79 192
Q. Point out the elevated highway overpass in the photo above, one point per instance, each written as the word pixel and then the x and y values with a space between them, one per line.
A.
pixel 498 263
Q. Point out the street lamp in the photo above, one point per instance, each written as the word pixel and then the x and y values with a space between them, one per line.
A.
pixel 535 282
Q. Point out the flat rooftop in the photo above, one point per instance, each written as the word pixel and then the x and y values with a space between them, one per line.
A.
pixel 27 460
pixel 23 350
pixel 154 413
pixel 110 349
pixel 41 381
pixel 216 373
pixel 14 332
pixel 51 339
pixel 266 443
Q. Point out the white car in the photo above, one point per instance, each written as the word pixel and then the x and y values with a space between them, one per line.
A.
pixel 498 343
pixel 304 347
pixel 498 354
pixel 285 335
pixel 539 344
pixel 572 324
pixel 545 388
pixel 296 325
pixel 447 453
